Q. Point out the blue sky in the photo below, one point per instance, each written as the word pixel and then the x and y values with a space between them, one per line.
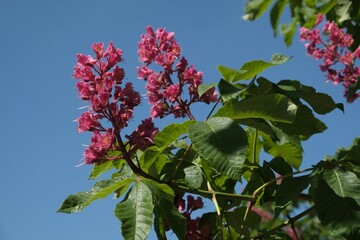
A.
pixel 39 143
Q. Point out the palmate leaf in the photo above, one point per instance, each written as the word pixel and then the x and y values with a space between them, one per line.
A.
pixel 276 13
pixel 193 176
pixel 135 212
pixel 274 107
pixel 340 215
pixel 77 202
pixel 203 88
pixel 222 143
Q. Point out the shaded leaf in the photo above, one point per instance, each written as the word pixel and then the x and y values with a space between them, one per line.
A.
pixel 288 190
pixel 288 30
pixel 222 143
pixel 193 176
pixel 101 168
pixel 135 212
pixel 305 124
pixel 279 165
pixel 344 183
pixel 339 215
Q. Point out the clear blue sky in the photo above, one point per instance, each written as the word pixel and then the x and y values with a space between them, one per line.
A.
pixel 38 101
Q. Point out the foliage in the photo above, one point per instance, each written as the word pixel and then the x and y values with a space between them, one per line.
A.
pixel 255 195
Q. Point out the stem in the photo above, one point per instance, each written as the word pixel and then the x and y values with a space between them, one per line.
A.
pixel 213 108
pixel 218 194
pixel 290 221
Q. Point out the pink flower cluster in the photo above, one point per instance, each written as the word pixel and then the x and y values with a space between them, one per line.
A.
pixel 99 83
pixel 193 231
pixel 335 50
pixel 165 95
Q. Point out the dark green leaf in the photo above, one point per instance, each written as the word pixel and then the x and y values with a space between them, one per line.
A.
pixel 193 176
pixel 288 190
pixel 222 143
pixel 344 183
pixel 320 102
pixel 255 145
pixel 339 215
pixel 279 165
pixel 305 124
pixel 77 202
pixel 135 212
pixel 274 107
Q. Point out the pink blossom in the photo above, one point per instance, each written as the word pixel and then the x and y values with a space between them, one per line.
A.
pixel 98 49
pixel 85 60
pixel 100 144
pixel 172 92
pixel 88 122
pixel 143 136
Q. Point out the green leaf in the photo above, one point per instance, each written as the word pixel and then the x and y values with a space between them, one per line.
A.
pixel 203 88
pixel 255 8
pixel 222 143
pixel 101 168
pixel 135 212
pixel 255 145
pixel 253 68
pixel 276 13
pixel 339 215
pixel 288 190
pixel 274 107
pixel 279 165
pixel 230 74
pixel 343 10
pixel 77 202
pixel 163 199
pixel 171 132
pixel 229 90
pixel 288 30
pixel 290 153
pixel 320 102
pixel 305 124
pixel 159 225
pixel 343 183
pixel 193 176
pixel 235 218
pixel 326 7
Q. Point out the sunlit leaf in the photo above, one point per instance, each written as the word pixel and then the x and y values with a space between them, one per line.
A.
pixel 255 8
pixel 77 202
pixel 135 212
pixel 274 107
pixel 163 199
pixel 222 143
